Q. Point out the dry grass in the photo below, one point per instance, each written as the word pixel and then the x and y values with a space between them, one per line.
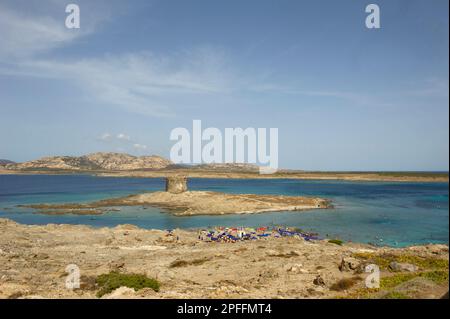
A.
pixel 184 263
pixel 345 284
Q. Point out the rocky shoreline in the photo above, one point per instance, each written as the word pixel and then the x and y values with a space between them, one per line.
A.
pixel 34 260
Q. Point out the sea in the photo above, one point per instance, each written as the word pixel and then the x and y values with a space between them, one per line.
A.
pixel 396 214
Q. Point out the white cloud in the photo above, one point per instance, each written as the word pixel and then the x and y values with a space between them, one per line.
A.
pixel 140 146
pixel 433 87
pixel 141 82
pixel 105 137
pixel 122 141
pixel 354 97
pixel 26 35
pixel 120 137
pixel 123 137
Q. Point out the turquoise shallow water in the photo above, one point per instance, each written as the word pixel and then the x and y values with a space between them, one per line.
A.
pixel 395 214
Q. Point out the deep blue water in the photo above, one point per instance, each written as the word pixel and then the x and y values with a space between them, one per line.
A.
pixel 395 214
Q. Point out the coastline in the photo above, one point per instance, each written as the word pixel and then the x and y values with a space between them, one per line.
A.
pixel 33 260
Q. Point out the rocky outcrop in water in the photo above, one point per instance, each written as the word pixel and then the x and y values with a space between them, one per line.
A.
pixel 177 200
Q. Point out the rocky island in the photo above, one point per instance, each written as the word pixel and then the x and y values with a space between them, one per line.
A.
pixel 181 202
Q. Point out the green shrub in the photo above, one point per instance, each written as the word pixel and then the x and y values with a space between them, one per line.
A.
pixel 336 241
pixel 113 280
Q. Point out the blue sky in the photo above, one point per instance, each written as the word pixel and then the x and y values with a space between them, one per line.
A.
pixel 342 96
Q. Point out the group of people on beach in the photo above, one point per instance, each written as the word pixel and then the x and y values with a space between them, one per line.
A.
pixel 235 234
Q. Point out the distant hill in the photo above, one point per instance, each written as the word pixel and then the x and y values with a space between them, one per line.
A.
pixel 95 161
pixel 4 162
pixel 119 162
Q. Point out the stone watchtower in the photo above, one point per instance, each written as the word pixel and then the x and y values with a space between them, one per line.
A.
pixel 176 184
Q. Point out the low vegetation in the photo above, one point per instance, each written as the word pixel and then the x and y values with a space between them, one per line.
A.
pixel 395 280
pixel 395 295
pixel 336 241
pixel 414 174
pixel 113 280
pixel 384 260
pixel 433 269
pixel 437 276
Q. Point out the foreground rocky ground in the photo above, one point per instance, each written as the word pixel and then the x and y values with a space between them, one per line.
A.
pixel 33 261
